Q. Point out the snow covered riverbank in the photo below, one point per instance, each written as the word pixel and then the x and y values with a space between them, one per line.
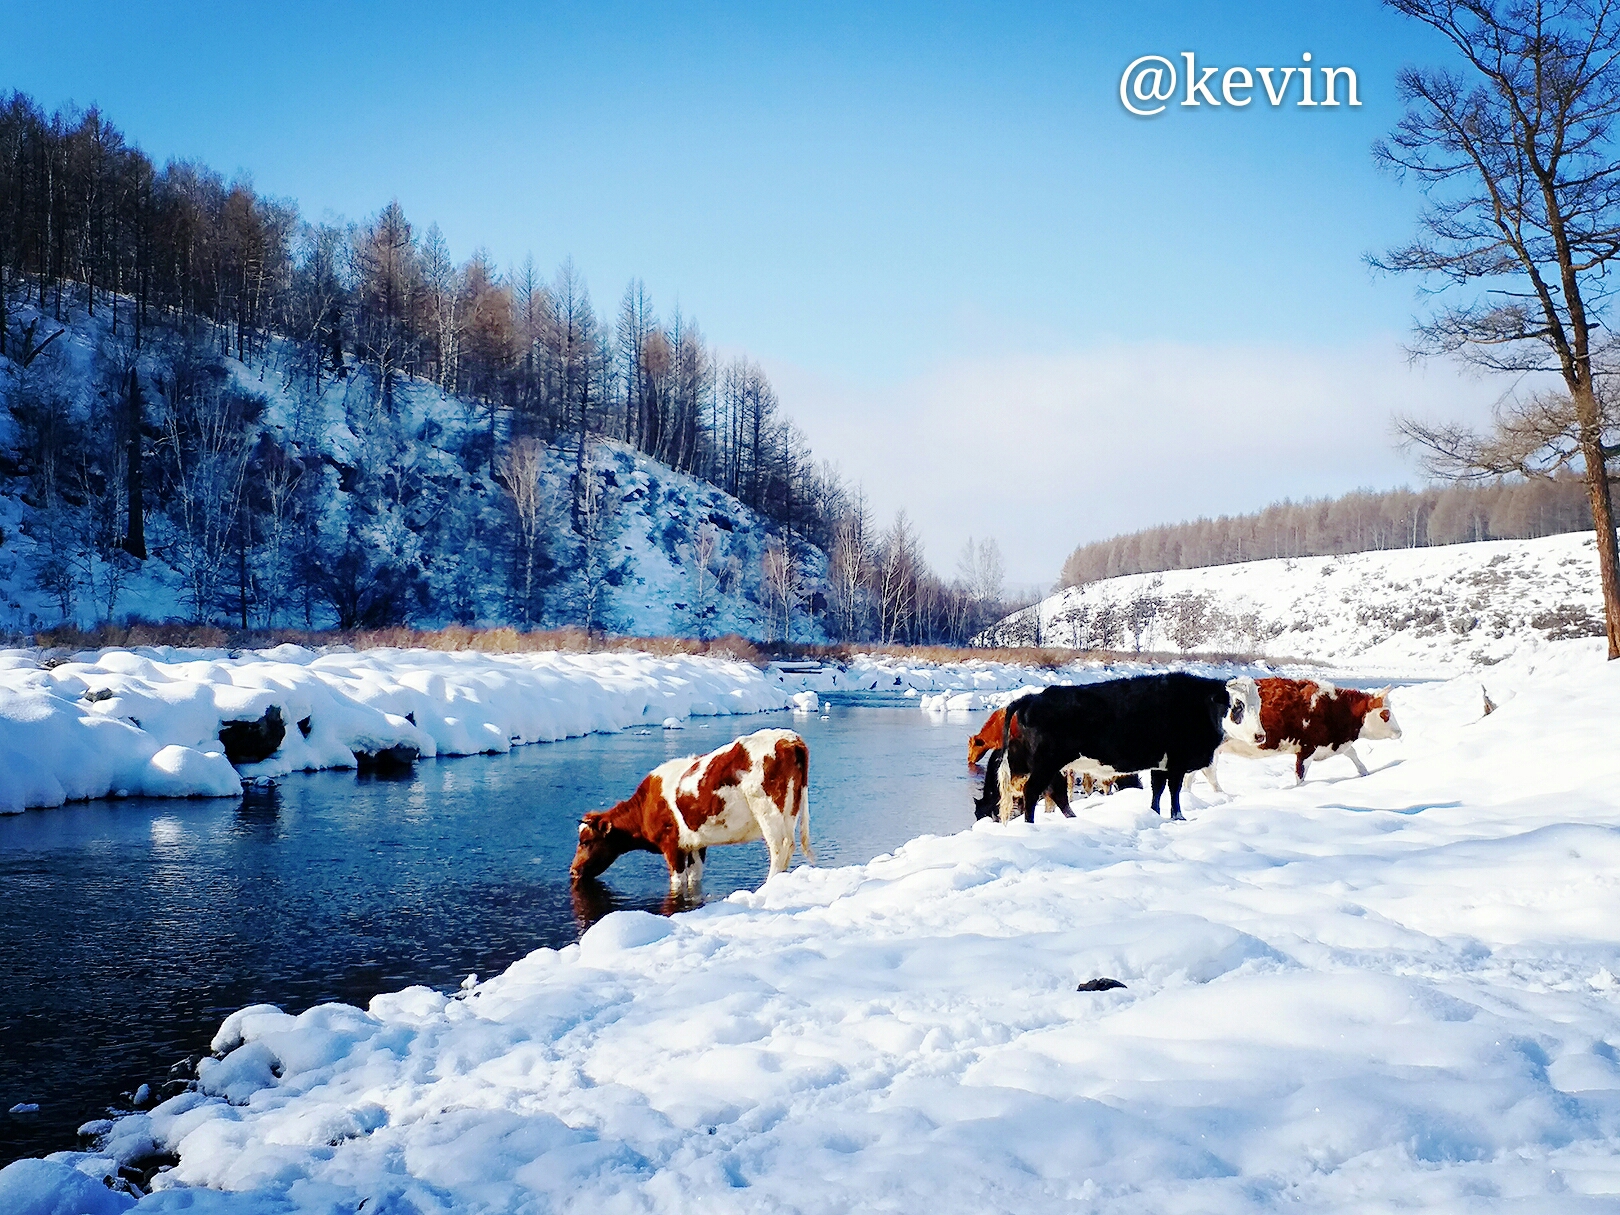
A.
pixel 119 722
pixel 1390 992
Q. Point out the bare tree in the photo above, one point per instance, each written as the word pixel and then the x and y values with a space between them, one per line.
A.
pixel 849 569
pixel 899 562
pixel 702 567
pixel 1516 156
pixel 781 584
pixel 597 522
pixel 521 468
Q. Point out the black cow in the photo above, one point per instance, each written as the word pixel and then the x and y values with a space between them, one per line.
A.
pixel 1169 723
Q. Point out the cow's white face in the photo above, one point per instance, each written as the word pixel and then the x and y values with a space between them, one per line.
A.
pixel 1242 720
pixel 1380 720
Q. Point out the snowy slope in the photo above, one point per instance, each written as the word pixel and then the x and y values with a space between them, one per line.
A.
pixel 1394 992
pixel 420 450
pixel 1401 612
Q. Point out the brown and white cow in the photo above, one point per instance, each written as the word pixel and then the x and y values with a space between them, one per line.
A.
pixel 754 788
pixel 1311 720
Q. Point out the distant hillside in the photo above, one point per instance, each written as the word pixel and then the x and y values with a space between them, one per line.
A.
pixel 270 501
pixel 1363 521
pixel 1417 611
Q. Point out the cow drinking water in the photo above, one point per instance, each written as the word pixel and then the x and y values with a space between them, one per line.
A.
pixel 754 788
pixel 1170 723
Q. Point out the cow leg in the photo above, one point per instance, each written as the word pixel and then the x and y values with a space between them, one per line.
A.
pixel 1209 775
pixel 694 873
pixel 1175 778
pixel 1039 779
pixel 1349 749
pixel 1158 788
pixel 804 826
pixel 1059 793
pixel 1300 763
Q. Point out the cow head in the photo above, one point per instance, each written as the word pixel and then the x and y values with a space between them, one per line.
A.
pixel 1380 719
pixel 987 739
pixel 600 844
pixel 1242 720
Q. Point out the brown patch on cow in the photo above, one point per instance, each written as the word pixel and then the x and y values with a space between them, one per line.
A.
pixel 704 803
pixel 988 738
pixel 1300 712
pixel 788 764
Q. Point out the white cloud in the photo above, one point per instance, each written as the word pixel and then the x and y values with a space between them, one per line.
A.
pixel 1046 450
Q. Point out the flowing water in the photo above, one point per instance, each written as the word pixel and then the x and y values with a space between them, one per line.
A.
pixel 130 929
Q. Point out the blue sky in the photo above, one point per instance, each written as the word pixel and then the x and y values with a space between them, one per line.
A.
pixel 967 267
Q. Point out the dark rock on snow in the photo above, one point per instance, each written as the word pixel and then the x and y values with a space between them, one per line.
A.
pixel 385 759
pixel 1099 985
pixel 250 742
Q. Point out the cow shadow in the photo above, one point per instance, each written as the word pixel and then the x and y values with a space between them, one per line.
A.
pixel 1406 810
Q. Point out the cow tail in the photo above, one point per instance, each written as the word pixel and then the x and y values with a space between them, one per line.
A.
pixel 804 803
pixel 1009 723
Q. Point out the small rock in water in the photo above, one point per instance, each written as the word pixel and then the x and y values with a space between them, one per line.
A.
pixel 1099 985
pixel 25 1107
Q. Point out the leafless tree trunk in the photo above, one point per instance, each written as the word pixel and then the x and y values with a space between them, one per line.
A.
pixel 1517 157
pixel 521 467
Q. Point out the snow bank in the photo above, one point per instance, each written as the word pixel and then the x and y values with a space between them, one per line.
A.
pixel 125 723
pixel 1404 612
pixel 1362 994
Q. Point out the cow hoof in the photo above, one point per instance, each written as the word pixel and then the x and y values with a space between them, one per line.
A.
pixel 1176 816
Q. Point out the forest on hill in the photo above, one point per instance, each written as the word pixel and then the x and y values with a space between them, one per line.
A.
pixel 193 371
pixel 1363 521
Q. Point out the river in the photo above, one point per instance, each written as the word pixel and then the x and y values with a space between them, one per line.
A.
pixel 130 929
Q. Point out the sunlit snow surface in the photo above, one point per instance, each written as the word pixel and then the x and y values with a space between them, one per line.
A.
pixel 1385 993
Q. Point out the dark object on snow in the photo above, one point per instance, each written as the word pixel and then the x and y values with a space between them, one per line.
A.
pixel 1490 705
pixel 1099 985
pixel 387 759
pixel 303 726
pixel 101 694
pixel 249 742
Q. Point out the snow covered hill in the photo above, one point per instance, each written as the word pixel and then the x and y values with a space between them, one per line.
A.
pixel 414 482
pixel 1400 612
pixel 1379 993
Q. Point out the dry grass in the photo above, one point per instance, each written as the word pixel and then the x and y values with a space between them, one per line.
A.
pixel 494 640
pixel 507 640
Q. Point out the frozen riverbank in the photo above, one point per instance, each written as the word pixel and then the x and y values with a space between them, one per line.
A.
pixel 147 722
pixel 1396 990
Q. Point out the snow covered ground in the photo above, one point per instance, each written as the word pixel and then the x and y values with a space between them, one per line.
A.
pixel 1396 992
pixel 1401 612
pixel 121 722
